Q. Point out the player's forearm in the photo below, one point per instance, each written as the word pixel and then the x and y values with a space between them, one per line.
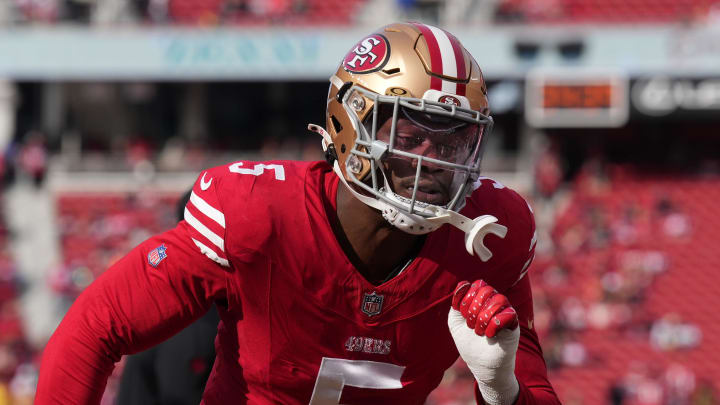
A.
pixel 537 395
pixel 75 367
pixel 528 395
pixel 134 305
pixel 531 372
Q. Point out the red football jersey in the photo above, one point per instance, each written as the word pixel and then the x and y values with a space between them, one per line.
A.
pixel 299 324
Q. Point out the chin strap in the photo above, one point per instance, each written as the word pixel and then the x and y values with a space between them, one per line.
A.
pixel 327 140
pixel 475 229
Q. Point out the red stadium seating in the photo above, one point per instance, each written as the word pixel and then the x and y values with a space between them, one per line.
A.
pixel 98 228
pixel 604 11
pixel 250 13
pixel 14 348
pixel 689 247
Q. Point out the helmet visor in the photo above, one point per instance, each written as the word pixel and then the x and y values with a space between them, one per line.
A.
pixel 447 139
pixel 430 156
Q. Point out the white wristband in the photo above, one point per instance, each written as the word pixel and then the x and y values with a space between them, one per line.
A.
pixel 491 360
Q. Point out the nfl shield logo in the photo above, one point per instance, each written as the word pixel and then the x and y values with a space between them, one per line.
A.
pixel 157 255
pixel 372 304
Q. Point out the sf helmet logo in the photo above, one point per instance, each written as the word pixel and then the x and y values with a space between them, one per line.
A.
pixel 449 100
pixel 369 55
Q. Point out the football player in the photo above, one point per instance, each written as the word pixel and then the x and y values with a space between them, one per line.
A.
pixel 353 281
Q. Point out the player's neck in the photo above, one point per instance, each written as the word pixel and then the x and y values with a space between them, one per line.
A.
pixel 373 246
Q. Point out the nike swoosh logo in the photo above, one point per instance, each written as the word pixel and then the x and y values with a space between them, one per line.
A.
pixel 205 185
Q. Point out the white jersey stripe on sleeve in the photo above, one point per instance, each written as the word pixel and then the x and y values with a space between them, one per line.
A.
pixel 204 231
pixel 207 209
pixel 524 269
pixel 533 241
pixel 211 253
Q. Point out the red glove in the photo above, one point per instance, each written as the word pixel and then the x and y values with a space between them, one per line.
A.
pixel 485 310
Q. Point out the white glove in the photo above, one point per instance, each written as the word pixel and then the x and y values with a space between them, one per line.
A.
pixel 486 333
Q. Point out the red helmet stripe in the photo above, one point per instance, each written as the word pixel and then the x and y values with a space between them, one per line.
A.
pixel 435 55
pixel 447 56
pixel 459 62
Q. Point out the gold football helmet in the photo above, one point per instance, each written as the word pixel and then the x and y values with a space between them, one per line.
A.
pixel 409 94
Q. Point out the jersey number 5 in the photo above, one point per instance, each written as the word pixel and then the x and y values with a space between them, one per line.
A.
pixel 335 374
pixel 258 169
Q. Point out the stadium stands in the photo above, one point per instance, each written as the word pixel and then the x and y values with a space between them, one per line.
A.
pixel 347 12
pixel 604 12
pixel 633 263
pixel 97 228
pixel 14 349
pixel 187 12
pixel 249 13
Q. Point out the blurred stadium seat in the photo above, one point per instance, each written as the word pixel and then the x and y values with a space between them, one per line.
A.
pixel 604 12
pixel 97 228
pixel 635 250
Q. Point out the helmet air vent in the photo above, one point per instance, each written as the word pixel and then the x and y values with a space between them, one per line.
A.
pixel 341 92
pixel 336 124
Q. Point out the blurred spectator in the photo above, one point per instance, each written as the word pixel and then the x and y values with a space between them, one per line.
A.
pixel 2 170
pixel 671 333
pixel 515 11
pixel 155 11
pixel 676 225
pixel 642 385
pixel 548 173
pixel 8 107
pixel 6 16
pixel 22 385
pixel 632 225
pixel 704 394
pixel 78 10
pixel 121 11
pixel 673 222
pixel 679 384
pixel 713 15
pixel 195 12
pixel 645 384
pixel 593 177
pixel 609 315
pixel 574 353
pixel 573 314
pixel 39 10
pixel 137 151
pixel 33 157
pixel 616 394
pixel 232 10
